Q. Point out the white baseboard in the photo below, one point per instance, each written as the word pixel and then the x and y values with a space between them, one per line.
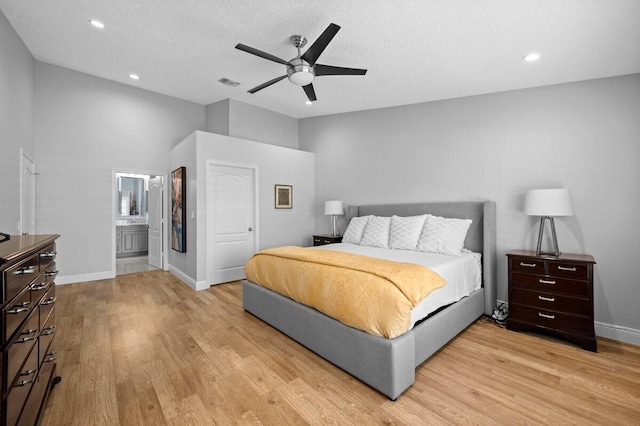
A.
pixel 619 333
pixel 196 285
pixel 612 331
pixel 70 279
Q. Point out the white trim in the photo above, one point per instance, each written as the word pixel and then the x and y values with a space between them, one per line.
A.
pixel 70 279
pixel 195 285
pixel 617 332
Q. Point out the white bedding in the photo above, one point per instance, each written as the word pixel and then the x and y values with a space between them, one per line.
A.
pixel 463 273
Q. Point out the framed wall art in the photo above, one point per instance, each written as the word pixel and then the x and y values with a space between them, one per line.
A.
pixel 178 209
pixel 284 197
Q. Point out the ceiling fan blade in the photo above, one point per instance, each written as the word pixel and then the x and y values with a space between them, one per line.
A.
pixel 313 53
pixel 311 94
pixel 267 84
pixel 260 53
pixel 321 70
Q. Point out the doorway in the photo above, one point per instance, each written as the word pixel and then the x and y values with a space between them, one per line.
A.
pixel 139 235
pixel 232 219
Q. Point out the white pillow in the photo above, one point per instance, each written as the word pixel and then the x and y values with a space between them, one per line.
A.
pixel 354 231
pixel 376 233
pixel 443 235
pixel 405 231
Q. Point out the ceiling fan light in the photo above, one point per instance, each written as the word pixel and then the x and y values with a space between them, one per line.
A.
pixel 301 78
pixel 300 72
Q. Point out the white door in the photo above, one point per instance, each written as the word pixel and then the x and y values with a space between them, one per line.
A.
pixel 230 220
pixel 155 221
pixel 27 195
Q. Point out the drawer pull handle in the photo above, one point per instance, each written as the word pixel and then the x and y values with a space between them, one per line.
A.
pixel 541 281
pixel 51 353
pixel 564 268
pixel 51 359
pixel 49 301
pixel 27 372
pixel 540 314
pixel 49 254
pixel 25 270
pixel 29 331
pixel 38 287
pixel 25 339
pixel 547 299
pixel 17 311
pixel 51 273
pixel 48 333
pixel 528 265
pixel 24 382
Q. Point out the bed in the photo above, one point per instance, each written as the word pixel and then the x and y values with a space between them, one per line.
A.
pixel 388 365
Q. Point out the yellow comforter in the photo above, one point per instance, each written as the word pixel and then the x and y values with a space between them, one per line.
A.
pixel 370 294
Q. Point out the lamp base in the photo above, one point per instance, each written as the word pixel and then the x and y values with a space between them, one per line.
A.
pixel 335 232
pixel 556 251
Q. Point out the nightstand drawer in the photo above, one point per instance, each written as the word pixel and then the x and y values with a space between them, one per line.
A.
pixel 550 301
pixel 320 240
pixel 529 266
pixel 550 284
pixel 564 269
pixel 551 319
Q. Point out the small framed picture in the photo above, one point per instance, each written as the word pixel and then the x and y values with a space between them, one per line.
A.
pixel 284 197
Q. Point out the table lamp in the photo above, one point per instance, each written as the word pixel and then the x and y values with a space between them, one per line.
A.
pixel 333 209
pixel 548 203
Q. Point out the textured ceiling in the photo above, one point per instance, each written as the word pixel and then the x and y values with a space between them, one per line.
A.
pixel 415 51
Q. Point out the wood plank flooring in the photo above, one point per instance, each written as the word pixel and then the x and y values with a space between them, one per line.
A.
pixel 145 349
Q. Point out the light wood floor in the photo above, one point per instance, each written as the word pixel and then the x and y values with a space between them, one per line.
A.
pixel 146 349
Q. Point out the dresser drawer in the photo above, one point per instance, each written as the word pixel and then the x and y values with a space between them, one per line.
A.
pixel 47 304
pixel 573 270
pixel 528 266
pixel 18 393
pixel 547 284
pixel 550 301
pixel 47 334
pixel 39 287
pixel 19 276
pixel 21 345
pixel 47 256
pixel 551 319
pixel 15 312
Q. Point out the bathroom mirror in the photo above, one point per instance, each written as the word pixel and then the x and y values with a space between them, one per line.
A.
pixel 131 196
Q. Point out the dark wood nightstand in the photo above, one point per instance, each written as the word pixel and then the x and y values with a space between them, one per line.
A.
pixel 553 294
pixel 320 240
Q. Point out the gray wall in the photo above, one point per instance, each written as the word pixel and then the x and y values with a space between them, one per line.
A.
pixel 85 127
pixel 276 165
pixel 243 121
pixel 16 120
pixel 583 136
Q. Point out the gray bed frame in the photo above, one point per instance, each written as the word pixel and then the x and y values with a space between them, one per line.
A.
pixel 388 365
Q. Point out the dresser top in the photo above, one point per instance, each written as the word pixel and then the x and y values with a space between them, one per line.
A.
pixel 563 256
pixel 21 245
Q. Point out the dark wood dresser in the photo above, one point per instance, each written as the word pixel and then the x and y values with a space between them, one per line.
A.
pixel 553 294
pixel 28 271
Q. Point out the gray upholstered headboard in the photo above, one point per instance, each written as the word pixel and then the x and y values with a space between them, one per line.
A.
pixel 481 236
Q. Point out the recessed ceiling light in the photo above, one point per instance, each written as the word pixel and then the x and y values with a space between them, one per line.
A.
pixel 97 23
pixel 308 102
pixel 134 76
pixel 532 57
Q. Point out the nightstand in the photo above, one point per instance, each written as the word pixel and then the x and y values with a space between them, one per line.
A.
pixel 320 240
pixel 553 294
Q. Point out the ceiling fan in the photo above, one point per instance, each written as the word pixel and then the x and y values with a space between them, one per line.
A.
pixel 303 69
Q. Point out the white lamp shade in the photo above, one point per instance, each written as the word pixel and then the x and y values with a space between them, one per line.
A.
pixel 333 207
pixel 548 202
